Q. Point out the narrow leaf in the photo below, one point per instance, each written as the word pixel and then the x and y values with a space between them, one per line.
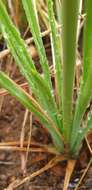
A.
pixel 69 28
pixel 34 26
pixel 56 53
pixel 87 45
pixel 81 134
pixel 83 101
pixel 85 94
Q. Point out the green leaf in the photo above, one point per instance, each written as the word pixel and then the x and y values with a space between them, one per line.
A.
pixel 48 101
pixel 85 93
pixel 14 41
pixel 87 45
pixel 83 101
pixel 56 53
pixel 81 134
pixel 32 18
pixel 30 103
pixel 69 29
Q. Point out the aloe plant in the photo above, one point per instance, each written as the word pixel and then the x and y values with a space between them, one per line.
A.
pixel 53 106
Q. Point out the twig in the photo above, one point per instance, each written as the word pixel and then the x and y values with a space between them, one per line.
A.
pixel 83 175
pixel 28 42
pixel 29 137
pixel 88 145
pixel 86 170
pixel 22 135
pixel 17 143
pixel 32 149
pixel 69 171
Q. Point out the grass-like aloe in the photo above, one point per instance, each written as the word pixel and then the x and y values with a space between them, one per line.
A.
pixel 69 30
pixel 54 106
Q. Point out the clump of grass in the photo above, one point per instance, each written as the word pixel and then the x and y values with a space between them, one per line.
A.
pixel 54 110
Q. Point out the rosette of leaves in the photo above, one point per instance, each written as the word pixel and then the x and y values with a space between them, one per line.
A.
pixel 53 106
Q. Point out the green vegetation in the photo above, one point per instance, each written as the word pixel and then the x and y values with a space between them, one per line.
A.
pixel 53 106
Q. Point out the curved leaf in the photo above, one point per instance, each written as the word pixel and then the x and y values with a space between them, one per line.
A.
pixel 30 103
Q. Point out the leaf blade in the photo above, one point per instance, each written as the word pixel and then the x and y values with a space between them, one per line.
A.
pixel 85 94
pixel 34 26
pixel 81 134
pixel 56 53
pixel 69 30
pixel 29 102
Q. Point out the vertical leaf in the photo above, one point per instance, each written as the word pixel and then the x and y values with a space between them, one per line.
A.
pixel 69 29
pixel 56 54
pixel 85 94
pixel 87 45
